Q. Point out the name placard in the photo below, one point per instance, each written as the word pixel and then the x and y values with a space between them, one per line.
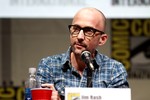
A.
pixel 97 94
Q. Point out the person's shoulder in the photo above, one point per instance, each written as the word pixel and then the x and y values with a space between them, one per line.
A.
pixel 54 58
pixel 108 60
pixel 57 59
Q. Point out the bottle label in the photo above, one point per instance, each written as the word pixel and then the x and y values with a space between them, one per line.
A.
pixel 28 94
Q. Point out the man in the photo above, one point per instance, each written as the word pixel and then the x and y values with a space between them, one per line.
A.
pixel 69 70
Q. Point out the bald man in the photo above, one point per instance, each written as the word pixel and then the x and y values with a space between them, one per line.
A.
pixel 71 70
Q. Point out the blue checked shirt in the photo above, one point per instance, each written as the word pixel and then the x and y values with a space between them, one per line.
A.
pixel 57 70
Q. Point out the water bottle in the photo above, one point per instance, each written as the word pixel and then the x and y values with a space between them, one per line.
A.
pixel 30 83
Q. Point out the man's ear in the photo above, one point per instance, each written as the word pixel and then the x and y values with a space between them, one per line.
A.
pixel 103 39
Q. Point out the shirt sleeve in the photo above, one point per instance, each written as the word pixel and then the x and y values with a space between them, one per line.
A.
pixel 44 72
pixel 119 77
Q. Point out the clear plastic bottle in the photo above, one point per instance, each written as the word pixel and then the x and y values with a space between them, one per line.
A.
pixel 30 83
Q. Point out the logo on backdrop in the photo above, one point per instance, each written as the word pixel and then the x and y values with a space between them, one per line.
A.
pixel 131 45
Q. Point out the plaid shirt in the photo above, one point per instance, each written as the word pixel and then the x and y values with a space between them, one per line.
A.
pixel 57 70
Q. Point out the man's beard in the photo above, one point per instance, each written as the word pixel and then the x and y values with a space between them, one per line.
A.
pixel 76 50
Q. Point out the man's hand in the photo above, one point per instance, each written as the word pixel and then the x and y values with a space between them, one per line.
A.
pixel 55 95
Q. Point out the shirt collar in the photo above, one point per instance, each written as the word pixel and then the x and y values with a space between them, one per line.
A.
pixel 97 61
pixel 66 59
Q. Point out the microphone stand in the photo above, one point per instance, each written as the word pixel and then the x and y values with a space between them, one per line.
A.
pixel 89 76
pixel 85 55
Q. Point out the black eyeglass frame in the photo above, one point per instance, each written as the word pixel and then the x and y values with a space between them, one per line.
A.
pixel 93 29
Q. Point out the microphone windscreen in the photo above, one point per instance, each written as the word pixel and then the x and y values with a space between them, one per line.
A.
pixel 85 55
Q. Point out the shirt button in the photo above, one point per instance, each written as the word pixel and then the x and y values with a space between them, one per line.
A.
pixel 62 92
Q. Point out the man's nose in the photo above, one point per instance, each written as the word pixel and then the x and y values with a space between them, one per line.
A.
pixel 81 35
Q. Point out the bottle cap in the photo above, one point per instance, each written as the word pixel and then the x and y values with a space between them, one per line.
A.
pixel 32 70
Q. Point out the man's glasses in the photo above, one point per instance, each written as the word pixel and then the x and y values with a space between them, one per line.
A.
pixel 88 31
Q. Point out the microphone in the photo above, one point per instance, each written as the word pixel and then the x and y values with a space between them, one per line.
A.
pixel 86 57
